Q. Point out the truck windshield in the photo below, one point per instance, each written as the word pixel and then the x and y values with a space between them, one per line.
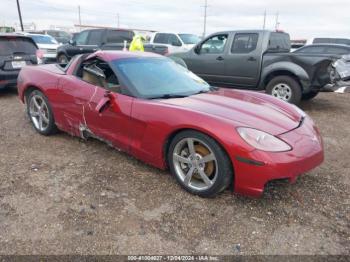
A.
pixel 189 39
pixel 43 39
pixel 159 78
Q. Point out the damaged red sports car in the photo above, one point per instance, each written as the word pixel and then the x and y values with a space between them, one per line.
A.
pixel 161 113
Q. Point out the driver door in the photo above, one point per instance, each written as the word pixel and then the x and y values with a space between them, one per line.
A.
pixel 112 123
pixel 208 61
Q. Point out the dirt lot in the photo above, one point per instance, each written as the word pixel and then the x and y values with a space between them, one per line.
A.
pixel 62 195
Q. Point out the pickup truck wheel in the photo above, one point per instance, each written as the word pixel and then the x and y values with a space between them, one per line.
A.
pixel 62 59
pixel 310 95
pixel 285 88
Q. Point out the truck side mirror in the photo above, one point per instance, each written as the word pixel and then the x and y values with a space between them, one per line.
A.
pixel 197 49
pixel 176 43
pixel 72 42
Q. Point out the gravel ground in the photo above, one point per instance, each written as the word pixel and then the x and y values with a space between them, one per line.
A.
pixel 62 195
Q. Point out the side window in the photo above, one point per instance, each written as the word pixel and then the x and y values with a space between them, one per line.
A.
pixel 161 38
pixel 214 45
pixel 336 50
pixel 244 43
pixel 81 38
pixel 174 40
pixel 94 37
pixel 312 50
pixel 118 36
pixel 99 73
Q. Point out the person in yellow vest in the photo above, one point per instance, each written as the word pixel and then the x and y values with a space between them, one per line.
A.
pixel 137 44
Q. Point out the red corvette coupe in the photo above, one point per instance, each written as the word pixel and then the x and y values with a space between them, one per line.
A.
pixel 163 114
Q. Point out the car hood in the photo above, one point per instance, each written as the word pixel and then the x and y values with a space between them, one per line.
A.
pixel 245 109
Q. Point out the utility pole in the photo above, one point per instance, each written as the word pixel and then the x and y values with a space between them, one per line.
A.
pixel 79 18
pixel 20 15
pixel 118 20
pixel 277 22
pixel 205 18
pixel 264 25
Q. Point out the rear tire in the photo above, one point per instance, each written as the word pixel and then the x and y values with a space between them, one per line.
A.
pixel 199 164
pixel 285 88
pixel 40 113
pixel 310 95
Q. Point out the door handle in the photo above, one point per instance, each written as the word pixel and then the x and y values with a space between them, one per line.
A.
pixel 251 59
pixel 220 58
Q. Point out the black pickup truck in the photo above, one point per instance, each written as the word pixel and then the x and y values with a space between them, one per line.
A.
pixel 259 60
pixel 89 41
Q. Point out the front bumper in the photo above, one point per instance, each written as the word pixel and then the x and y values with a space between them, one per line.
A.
pixel 307 153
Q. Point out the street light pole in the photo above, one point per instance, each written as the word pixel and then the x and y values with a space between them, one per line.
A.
pixel 20 15
pixel 264 24
pixel 79 18
pixel 205 18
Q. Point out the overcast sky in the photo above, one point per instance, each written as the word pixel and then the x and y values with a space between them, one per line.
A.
pixel 300 18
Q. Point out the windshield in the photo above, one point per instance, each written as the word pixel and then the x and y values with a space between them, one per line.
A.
pixel 43 39
pixel 189 39
pixel 159 78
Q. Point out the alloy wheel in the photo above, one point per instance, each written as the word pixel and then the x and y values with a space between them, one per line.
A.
pixel 39 113
pixel 195 164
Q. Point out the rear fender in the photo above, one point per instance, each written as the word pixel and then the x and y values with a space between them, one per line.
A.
pixel 284 68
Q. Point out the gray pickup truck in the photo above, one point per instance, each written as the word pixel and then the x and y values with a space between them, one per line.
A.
pixel 259 60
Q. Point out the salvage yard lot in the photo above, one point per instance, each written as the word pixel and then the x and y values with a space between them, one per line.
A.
pixel 62 195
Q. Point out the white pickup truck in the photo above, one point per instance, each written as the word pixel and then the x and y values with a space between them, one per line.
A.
pixel 175 42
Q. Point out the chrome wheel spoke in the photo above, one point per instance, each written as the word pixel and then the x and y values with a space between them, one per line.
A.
pixel 34 114
pixel 36 104
pixel 40 122
pixel 207 158
pixel 189 176
pixel 45 118
pixel 205 178
pixel 181 159
pixel 190 145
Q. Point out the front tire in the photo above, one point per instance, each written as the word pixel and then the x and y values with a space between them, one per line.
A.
pixel 40 113
pixel 285 88
pixel 199 164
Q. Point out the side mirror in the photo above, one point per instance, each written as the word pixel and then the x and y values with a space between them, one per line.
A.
pixel 176 43
pixel 109 100
pixel 197 49
pixel 72 42
pixel 103 105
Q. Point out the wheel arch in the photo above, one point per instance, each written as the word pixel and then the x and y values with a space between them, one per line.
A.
pixel 285 69
pixel 28 89
pixel 276 73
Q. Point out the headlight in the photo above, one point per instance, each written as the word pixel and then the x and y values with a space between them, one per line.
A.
pixel 263 141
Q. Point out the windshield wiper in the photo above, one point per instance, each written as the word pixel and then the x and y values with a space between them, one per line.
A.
pixel 168 96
